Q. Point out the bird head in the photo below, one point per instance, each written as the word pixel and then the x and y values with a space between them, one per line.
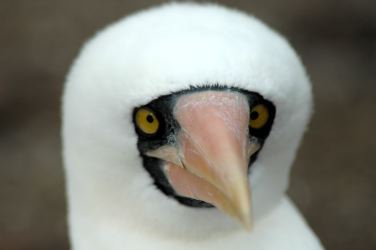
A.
pixel 179 119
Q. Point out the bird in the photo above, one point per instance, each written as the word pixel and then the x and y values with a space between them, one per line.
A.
pixel 180 125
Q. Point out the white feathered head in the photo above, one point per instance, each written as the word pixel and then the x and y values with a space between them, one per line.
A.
pixel 178 108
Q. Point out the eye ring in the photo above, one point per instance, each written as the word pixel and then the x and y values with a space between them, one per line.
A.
pixel 259 116
pixel 147 121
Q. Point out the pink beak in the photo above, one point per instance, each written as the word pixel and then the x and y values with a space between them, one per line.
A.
pixel 210 159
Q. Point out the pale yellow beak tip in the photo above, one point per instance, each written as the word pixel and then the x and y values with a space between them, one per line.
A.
pixel 248 225
pixel 246 220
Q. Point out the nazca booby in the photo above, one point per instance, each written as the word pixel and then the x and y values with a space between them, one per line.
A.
pixel 179 122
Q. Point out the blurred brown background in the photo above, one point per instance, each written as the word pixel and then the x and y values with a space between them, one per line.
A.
pixel 333 179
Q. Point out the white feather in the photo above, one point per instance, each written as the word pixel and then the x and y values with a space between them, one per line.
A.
pixel 113 203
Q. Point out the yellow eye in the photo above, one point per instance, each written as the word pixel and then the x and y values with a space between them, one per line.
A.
pixel 259 116
pixel 147 121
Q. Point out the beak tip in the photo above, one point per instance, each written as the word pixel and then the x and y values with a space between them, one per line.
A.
pixel 246 221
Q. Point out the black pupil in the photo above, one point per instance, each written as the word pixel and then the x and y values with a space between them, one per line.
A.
pixel 149 118
pixel 254 115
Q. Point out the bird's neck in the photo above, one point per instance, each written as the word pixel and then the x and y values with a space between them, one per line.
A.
pixel 282 229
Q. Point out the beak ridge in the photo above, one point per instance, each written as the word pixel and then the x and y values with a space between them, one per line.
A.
pixel 210 159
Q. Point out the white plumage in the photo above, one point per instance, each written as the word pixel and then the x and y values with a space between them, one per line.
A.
pixel 113 203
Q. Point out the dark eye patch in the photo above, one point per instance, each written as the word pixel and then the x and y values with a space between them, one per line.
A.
pixel 163 109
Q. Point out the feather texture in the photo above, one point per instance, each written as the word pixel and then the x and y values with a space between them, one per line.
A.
pixel 113 203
